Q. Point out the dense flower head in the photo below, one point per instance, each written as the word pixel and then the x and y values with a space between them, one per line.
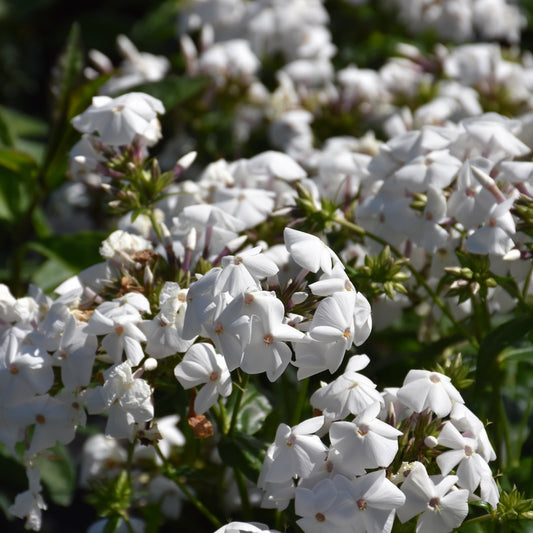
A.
pixel 229 284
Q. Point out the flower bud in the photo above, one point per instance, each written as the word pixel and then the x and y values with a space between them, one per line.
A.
pixel 150 364
pixel 430 441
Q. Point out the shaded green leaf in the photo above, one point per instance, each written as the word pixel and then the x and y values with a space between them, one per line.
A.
pixel 59 475
pixel 6 138
pixel 23 125
pixel 112 524
pixel 173 90
pixel 253 410
pixel 243 452
pixel 18 162
pixel 51 274
pixel 508 334
pixel 74 251
pixel 67 72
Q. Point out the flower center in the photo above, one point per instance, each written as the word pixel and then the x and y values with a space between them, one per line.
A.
pixel 213 376
pixel 219 328
pixel 40 419
pixel 434 503
pixel 291 441
pixel 119 330
pixel 320 517
pixel 248 299
pixel 362 504
pixel 468 451
pixel 434 378
pixel 268 339
pixel 13 370
pixel 363 430
pixel 347 333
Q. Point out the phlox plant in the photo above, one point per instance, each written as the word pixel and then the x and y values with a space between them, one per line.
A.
pixel 321 336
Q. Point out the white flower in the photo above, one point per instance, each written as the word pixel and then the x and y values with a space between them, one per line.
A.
pixel 118 121
pixel 309 251
pixel 367 442
pixel 295 452
pixel 203 365
pixel 245 527
pixel 471 467
pixel 442 509
pixel 350 393
pixel 374 500
pixel 423 389
pixel 324 508
pixel 126 398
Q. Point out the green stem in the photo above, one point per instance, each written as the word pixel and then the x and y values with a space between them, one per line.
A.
pixel 477 519
pixel 238 400
pixel 156 226
pixel 527 283
pixel 171 472
pixel 128 524
pixel 243 493
pixel 129 461
pixel 419 278
pixel 223 416
pixel 522 432
pixel 300 401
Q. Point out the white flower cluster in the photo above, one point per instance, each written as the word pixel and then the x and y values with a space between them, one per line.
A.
pixel 345 487
pixel 464 20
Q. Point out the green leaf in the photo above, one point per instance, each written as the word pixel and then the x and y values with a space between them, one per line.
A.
pixel 173 90
pixel 112 524
pixel 51 274
pixel 17 172
pixel 157 25
pixel 59 475
pixel 508 334
pixel 22 125
pixel 75 251
pixel 18 162
pixel 243 452
pixel 67 72
pixel 253 410
pixel 6 138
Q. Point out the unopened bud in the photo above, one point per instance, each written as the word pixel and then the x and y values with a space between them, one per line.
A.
pixel 150 364
pixel 80 159
pixel 186 160
pixel 430 441
pixel 512 255
pixel 486 181
pixel 101 61
pixel 192 238
pixel 148 277
pixel 236 243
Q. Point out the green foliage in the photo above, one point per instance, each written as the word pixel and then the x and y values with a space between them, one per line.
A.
pixel 381 274
pixel 253 409
pixel 173 90
pixel 111 497
pixel 58 474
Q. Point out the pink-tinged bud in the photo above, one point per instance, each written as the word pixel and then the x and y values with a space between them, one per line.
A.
pixel 486 181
